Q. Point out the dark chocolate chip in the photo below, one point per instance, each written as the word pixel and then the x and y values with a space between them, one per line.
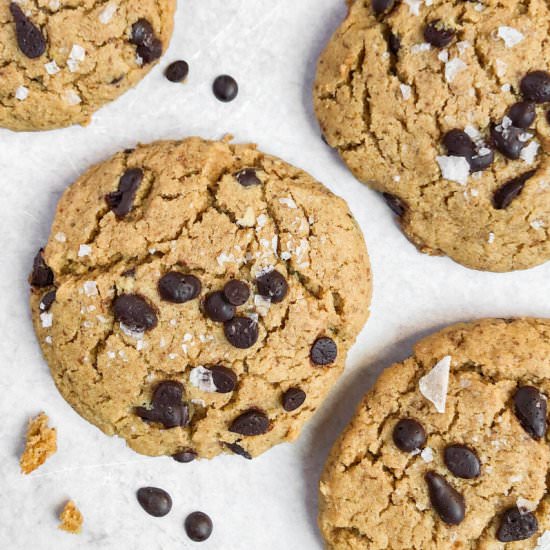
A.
pixel 548 116
pixel 483 158
pixel 30 39
pixel 293 398
pixel 185 456
pixel 458 143
pixel 225 88
pixel 121 201
pixel 177 71
pixel 218 308
pixel 437 34
pixel 42 275
pixel 531 410
pixel 272 285
pixel 509 140
pixel 247 177
pixel 522 114
pixel 149 47
pixel 251 422
pixel 324 351
pixel 505 194
pixel 445 499
pixel 198 526
pixel 238 450
pixel 236 292
pixel 179 288
pixel 150 52
pixel 241 332
pixel 396 205
pixel 380 6
pixel 535 86
pixel 224 379
pixel 167 393
pixel 409 435
pixel 517 526
pixel 462 461
pixel 47 300
pixel 134 312
pixel 394 43
pixel 167 407
pixel 156 502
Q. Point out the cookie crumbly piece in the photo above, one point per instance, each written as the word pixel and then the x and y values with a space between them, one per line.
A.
pixel 40 445
pixel 71 519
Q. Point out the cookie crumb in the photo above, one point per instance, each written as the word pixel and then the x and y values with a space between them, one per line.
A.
pixel 41 444
pixel 71 519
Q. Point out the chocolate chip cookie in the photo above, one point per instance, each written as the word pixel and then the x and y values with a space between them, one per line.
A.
pixel 450 448
pixel 62 60
pixel 442 106
pixel 199 297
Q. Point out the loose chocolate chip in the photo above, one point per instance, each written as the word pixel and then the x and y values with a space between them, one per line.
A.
pixel 522 114
pixel 224 379
pixel 185 456
pixel 149 47
pixel 177 71
pixel 458 143
pixel 323 351
pixel 409 435
pixel 515 525
pixel 505 194
pixel 446 500
pixel 293 398
pixel 121 201
pixel 251 422
pixel 241 332
pixel 509 140
pixel 179 288
pixel 437 34
pixel 396 205
pixel 167 407
pixel 380 6
pixel 238 450
pixel 394 43
pixel 134 312
pixel 30 39
pixel 154 501
pixel 535 86
pixel 247 177
pixel 198 526
pixel 42 275
pixel 225 88
pixel 47 300
pixel 272 285
pixel 462 461
pixel 218 308
pixel 531 410
pixel 236 292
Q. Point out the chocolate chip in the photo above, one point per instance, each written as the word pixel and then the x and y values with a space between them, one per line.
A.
pixel 225 88
pixel 396 205
pixel 483 158
pixel 509 140
pixel 121 201
pixel 241 332
pixel 535 86
pixel 154 501
pixel 224 379
pixel 272 285
pixel 445 499
pixel 247 177
pixel 515 525
pixel 251 422
pixel 409 435
pixel 177 71
pixel 531 410
pixel 131 273
pixel 149 47
pixel 394 43
pixel 437 34
pixel 380 6
pixel 47 300
pixel 30 39
pixel 150 52
pixel 198 526
pixel 293 398
pixel 179 288
pixel 505 194
pixel 323 351
pixel 548 116
pixel 236 292
pixel 462 461
pixel 522 114
pixel 458 143
pixel 134 312
pixel 218 308
pixel 238 450
pixel 42 275
pixel 185 456
pixel 166 406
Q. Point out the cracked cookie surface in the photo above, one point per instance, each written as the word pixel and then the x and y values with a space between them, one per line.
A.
pixel 374 491
pixel 389 88
pixel 206 213
pixel 89 55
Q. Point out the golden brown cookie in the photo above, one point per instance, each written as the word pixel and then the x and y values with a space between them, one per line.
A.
pixel 197 297
pixel 442 105
pixel 450 448
pixel 61 60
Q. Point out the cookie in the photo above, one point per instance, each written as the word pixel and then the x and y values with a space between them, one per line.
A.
pixel 450 448
pixel 442 107
pixel 61 60
pixel 199 297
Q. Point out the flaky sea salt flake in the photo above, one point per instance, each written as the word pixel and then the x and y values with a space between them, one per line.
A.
pixel 511 36
pixel 434 385
pixel 454 168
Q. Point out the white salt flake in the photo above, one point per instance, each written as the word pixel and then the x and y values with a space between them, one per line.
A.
pixel 454 168
pixel 76 55
pixel 537 224
pixel 286 256
pixel 506 87
pixel 261 220
pixel 202 378
pixel 46 319
pixel 491 238
pixel 472 132
pixel 510 36
pixel 396 178
pixel 516 479
pixel 434 385
pixel 61 237
pixel 288 201
pixel 262 304
pixel 136 334
pixel 405 91
pixel 107 14
pixel 54 5
pixel 48 340
pixel 543 542
pixel 198 402
pixel 139 61
pixel 525 506
pixel 443 55
pixel 101 319
pixel 90 288
pixel 453 67
pixel 51 68
pixel 414 6
pixel 529 153
pixel 501 67
pixel 462 46
pixel 71 97
pixel 140 345
pixel 84 250
pixel 427 454
pixel 172 356
pixel 21 93
pixel 479 7
pixel 423 47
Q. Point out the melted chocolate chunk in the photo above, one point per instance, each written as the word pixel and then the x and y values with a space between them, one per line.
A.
pixel 517 526
pixel 247 177
pixel 149 47
pixel 522 114
pixel 166 406
pixel 30 39
pixel 121 201
pixel 458 143
pixel 236 292
pixel 198 526
pixel 177 71
pixel 509 140
pixel 185 456
pixel 535 86
pixel 47 300
pixel 250 423
pixel 381 6
pixel 531 411
pixel 238 450
pixel 134 312
pixel 397 206
pixel 505 194
pixel 436 34
pixel 225 88
pixel 42 275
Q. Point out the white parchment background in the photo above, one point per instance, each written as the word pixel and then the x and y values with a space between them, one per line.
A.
pixel 270 46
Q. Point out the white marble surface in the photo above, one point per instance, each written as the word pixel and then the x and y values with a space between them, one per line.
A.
pixel 270 503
